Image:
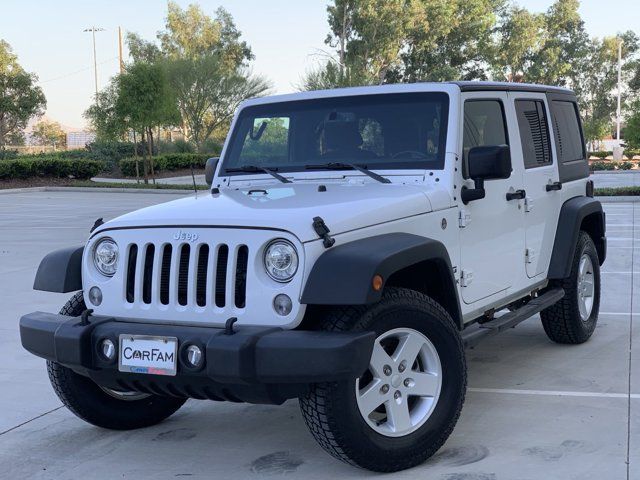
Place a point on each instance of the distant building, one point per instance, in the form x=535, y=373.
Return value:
x=79, y=139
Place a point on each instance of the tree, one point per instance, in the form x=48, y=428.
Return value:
x=564, y=53
x=51, y=133
x=207, y=66
x=20, y=98
x=144, y=101
x=632, y=128
x=208, y=94
x=105, y=120
x=519, y=38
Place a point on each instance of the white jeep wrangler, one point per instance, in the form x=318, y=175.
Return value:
x=353, y=243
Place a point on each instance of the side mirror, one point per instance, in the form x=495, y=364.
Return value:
x=485, y=163
x=210, y=169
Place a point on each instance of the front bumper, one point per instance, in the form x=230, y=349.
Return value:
x=254, y=364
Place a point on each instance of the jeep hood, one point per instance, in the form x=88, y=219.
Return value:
x=290, y=207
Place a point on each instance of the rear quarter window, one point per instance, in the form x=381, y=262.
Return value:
x=569, y=138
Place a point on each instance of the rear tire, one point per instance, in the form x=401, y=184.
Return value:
x=573, y=319
x=332, y=410
x=102, y=407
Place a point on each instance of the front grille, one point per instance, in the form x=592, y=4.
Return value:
x=200, y=275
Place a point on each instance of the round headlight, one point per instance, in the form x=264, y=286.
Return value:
x=105, y=257
x=281, y=260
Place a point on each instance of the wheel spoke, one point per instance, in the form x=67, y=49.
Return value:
x=370, y=398
x=379, y=358
x=588, y=283
x=398, y=415
x=426, y=384
x=408, y=349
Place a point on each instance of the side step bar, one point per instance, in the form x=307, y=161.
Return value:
x=475, y=333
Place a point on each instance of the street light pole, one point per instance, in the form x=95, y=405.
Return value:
x=619, y=89
x=93, y=31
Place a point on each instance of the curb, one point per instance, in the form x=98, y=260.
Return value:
x=98, y=190
x=618, y=199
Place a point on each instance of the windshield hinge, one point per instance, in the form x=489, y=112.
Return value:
x=323, y=232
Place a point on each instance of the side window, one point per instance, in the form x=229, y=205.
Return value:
x=567, y=129
x=484, y=124
x=534, y=133
x=267, y=142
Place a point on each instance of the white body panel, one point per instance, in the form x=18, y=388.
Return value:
x=254, y=209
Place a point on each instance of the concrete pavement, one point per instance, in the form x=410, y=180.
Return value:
x=534, y=410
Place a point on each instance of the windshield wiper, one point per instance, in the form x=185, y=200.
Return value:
x=348, y=166
x=257, y=169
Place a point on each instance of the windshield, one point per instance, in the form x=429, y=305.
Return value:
x=382, y=131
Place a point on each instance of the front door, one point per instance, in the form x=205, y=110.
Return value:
x=492, y=228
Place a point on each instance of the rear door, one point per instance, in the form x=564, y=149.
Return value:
x=492, y=238
x=543, y=202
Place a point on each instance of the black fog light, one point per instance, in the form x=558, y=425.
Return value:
x=282, y=304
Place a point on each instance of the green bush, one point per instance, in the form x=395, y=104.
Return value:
x=173, y=161
x=8, y=154
x=631, y=153
x=23, y=168
x=109, y=152
x=625, y=166
x=178, y=146
x=596, y=166
x=601, y=155
x=211, y=147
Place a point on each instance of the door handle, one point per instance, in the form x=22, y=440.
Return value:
x=554, y=186
x=517, y=195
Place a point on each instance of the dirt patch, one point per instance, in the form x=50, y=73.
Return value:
x=36, y=182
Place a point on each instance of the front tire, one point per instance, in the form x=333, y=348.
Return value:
x=103, y=407
x=403, y=409
x=573, y=319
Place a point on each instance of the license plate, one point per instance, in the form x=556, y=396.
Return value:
x=147, y=354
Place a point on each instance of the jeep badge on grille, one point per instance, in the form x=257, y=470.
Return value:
x=188, y=236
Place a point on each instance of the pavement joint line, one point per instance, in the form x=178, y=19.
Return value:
x=617, y=313
x=553, y=393
x=630, y=347
x=30, y=420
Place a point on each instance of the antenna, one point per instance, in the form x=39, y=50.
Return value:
x=193, y=177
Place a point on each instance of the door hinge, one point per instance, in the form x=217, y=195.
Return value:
x=529, y=255
x=464, y=218
x=466, y=277
x=528, y=204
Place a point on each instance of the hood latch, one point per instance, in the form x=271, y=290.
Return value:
x=323, y=232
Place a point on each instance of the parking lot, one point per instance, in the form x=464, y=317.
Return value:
x=534, y=409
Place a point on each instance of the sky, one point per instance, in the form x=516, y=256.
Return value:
x=286, y=36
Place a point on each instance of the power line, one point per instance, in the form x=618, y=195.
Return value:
x=77, y=71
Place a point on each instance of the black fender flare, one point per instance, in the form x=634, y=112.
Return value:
x=578, y=213
x=343, y=275
x=60, y=271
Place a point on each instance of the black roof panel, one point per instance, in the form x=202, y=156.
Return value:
x=475, y=86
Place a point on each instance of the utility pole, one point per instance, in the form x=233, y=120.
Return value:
x=120, y=50
x=93, y=31
x=619, y=89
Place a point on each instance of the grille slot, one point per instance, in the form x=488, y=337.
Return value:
x=201, y=276
x=164, y=275
x=183, y=274
x=131, y=273
x=148, y=274
x=221, y=275
x=241, y=276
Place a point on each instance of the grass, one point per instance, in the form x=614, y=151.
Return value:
x=617, y=191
